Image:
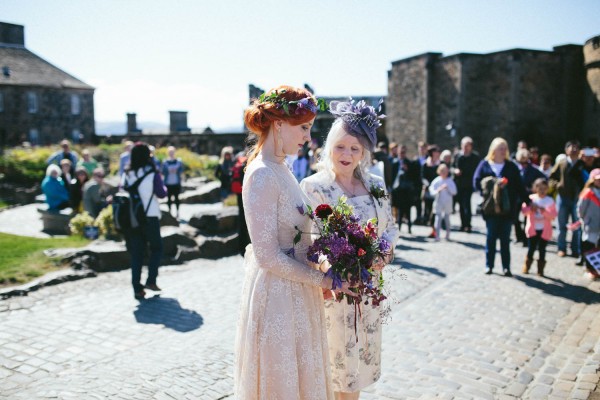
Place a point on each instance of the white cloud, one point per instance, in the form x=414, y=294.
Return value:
x=153, y=100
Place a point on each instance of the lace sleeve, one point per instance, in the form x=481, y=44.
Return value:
x=260, y=194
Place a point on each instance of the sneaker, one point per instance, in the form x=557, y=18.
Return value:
x=507, y=273
x=153, y=287
x=561, y=253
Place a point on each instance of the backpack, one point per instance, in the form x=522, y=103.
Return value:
x=495, y=198
x=128, y=210
x=237, y=176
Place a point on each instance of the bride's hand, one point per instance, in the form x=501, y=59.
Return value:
x=378, y=264
x=345, y=289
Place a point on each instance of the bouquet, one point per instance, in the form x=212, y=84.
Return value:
x=350, y=248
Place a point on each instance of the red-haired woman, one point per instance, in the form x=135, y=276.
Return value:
x=281, y=344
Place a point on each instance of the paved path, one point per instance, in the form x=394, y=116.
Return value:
x=454, y=332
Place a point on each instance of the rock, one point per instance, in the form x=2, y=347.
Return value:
x=173, y=237
x=56, y=222
x=185, y=253
x=193, y=183
x=207, y=193
x=167, y=219
x=102, y=256
x=217, y=246
x=216, y=222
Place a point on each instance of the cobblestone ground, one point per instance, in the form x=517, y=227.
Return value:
x=454, y=332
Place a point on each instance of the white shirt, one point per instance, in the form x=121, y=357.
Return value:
x=146, y=190
x=497, y=168
x=542, y=202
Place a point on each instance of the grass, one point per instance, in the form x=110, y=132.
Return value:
x=22, y=258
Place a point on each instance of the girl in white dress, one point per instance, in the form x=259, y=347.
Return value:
x=281, y=343
x=345, y=161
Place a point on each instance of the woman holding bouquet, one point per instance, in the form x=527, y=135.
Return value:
x=345, y=160
x=281, y=343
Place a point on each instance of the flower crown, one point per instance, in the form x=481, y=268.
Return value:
x=360, y=118
x=309, y=103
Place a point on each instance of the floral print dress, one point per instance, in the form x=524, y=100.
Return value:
x=354, y=364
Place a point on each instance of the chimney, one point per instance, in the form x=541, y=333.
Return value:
x=12, y=35
x=178, y=122
x=132, y=123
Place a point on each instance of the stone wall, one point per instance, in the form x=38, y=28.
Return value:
x=53, y=119
x=406, y=108
x=517, y=94
x=591, y=106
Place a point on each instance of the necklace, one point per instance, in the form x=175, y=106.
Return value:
x=352, y=193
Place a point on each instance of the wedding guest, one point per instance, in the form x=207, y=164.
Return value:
x=53, y=187
x=498, y=165
x=540, y=214
x=534, y=158
x=87, y=161
x=223, y=170
x=443, y=189
x=429, y=173
x=568, y=185
x=546, y=165
x=151, y=187
x=65, y=173
x=406, y=186
x=172, y=171
x=446, y=158
x=300, y=166
x=76, y=189
x=464, y=168
x=421, y=159
x=529, y=173
x=65, y=154
x=281, y=343
x=237, y=181
x=96, y=193
x=355, y=360
x=589, y=212
x=125, y=157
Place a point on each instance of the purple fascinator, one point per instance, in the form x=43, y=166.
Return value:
x=360, y=120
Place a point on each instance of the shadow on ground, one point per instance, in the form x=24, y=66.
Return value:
x=558, y=288
x=168, y=312
x=408, y=265
x=474, y=246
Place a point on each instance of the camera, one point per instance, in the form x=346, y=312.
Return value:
x=589, y=152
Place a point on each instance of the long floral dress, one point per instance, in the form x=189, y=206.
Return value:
x=281, y=344
x=354, y=364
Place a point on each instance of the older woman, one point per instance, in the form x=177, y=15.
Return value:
x=498, y=166
x=57, y=196
x=343, y=172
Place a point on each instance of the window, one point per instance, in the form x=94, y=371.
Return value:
x=1, y=102
x=34, y=136
x=76, y=136
x=32, y=102
x=75, y=104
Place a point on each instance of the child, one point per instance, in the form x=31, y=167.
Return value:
x=443, y=189
x=589, y=214
x=538, y=227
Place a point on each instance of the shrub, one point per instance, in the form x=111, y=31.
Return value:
x=106, y=222
x=80, y=221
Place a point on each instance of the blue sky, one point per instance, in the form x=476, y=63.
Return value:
x=152, y=56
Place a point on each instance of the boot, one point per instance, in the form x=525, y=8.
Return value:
x=541, y=264
x=527, y=265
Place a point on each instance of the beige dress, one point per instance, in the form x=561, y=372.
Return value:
x=355, y=365
x=281, y=343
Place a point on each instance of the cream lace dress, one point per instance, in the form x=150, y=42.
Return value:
x=281, y=343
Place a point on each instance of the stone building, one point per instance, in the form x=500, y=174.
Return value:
x=519, y=94
x=591, y=102
x=39, y=102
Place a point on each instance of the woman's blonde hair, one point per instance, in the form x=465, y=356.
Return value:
x=336, y=133
x=494, y=145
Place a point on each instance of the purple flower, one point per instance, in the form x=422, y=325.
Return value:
x=384, y=246
x=291, y=252
x=336, y=279
x=313, y=257
x=300, y=209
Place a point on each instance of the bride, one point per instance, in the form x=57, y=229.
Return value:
x=281, y=343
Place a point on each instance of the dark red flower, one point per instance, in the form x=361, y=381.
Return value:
x=361, y=252
x=323, y=211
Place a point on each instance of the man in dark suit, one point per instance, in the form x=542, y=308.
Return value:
x=465, y=165
x=406, y=186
